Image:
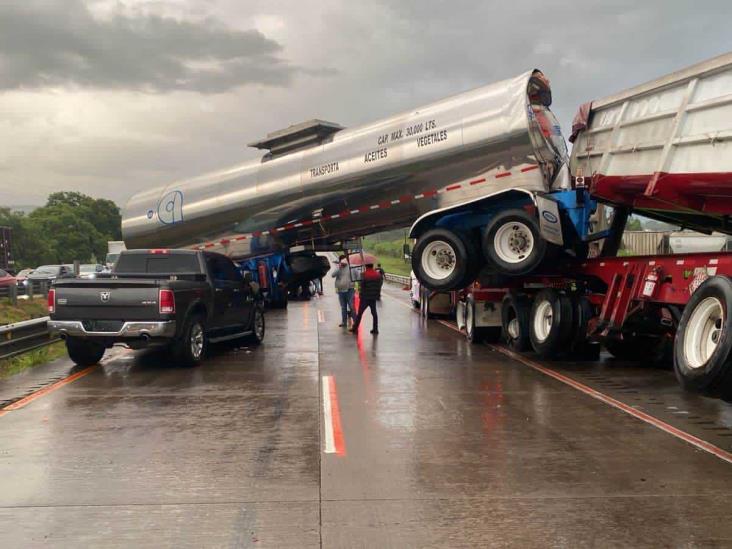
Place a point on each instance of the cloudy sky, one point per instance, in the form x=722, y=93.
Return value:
x=109, y=97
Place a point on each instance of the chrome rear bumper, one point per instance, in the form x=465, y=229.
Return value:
x=129, y=330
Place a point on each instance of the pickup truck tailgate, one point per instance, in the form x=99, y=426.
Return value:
x=113, y=299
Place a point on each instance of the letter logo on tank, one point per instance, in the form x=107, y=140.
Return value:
x=170, y=208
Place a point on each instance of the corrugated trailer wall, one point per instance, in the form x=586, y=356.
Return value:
x=645, y=242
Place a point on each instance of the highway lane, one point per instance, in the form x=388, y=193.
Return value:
x=433, y=442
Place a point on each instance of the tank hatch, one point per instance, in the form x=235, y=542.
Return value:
x=296, y=137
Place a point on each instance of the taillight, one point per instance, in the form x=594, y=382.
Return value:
x=51, y=301
x=159, y=251
x=166, y=301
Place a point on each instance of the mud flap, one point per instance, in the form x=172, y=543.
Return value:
x=550, y=223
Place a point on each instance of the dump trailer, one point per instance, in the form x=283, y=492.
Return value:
x=459, y=172
x=662, y=150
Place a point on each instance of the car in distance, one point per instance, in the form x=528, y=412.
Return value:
x=6, y=279
x=50, y=273
x=90, y=270
x=181, y=299
x=21, y=278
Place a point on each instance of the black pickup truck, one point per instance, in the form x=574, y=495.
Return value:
x=183, y=299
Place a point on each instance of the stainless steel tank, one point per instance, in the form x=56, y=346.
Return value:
x=321, y=184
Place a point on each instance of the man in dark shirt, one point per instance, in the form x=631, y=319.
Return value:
x=369, y=293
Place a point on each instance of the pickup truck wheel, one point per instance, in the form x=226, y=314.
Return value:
x=515, y=311
x=443, y=260
x=258, y=327
x=190, y=349
x=551, y=323
x=704, y=339
x=513, y=243
x=84, y=352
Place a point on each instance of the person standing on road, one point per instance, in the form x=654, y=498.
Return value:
x=344, y=288
x=383, y=277
x=369, y=294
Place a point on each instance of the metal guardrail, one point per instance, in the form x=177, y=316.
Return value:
x=399, y=279
x=33, y=289
x=25, y=336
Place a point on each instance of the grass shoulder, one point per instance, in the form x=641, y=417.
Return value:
x=26, y=309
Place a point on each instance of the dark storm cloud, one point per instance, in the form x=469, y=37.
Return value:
x=589, y=49
x=45, y=44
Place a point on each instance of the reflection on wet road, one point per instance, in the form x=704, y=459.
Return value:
x=413, y=438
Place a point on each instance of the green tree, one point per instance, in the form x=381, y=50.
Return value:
x=29, y=248
x=633, y=224
x=69, y=233
x=100, y=212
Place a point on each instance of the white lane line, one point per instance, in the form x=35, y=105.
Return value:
x=321, y=316
x=328, y=417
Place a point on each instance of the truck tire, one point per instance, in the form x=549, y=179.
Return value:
x=513, y=243
x=476, y=334
x=515, y=311
x=258, y=327
x=580, y=346
x=550, y=329
x=84, y=352
x=704, y=339
x=190, y=348
x=444, y=260
x=281, y=302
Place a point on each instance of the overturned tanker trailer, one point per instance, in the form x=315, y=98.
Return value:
x=464, y=173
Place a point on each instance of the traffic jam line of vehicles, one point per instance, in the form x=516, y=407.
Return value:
x=511, y=232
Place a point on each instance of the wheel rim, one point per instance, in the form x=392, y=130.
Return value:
x=513, y=328
x=703, y=332
x=196, y=341
x=468, y=320
x=259, y=325
x=439, y=260
x=543, y=320
x=513, y=242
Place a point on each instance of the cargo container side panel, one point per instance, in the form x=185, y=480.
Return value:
x=664, y=148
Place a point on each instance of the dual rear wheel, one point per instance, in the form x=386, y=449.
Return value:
x=446, y=259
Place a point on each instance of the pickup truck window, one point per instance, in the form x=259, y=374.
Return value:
x=221, y=268
x=157, y=263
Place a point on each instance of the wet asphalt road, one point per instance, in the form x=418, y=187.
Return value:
x=443, y=444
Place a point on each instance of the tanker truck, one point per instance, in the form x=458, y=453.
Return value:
x=469, y=175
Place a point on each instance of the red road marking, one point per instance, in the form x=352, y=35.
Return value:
x=602, y=397
x=340, y=445
x=17, y=405
x=638, y=414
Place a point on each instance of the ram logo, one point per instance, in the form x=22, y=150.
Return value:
x=549, y=216
x=104, y=296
